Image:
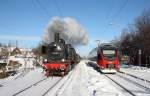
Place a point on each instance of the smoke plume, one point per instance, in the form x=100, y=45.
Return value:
x=70, y=30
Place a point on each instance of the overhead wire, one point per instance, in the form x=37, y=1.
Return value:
x=117, y=14
x=120, y=9
x=43, y=8
x=110, y=8
x=108, y=13
x=58, y=8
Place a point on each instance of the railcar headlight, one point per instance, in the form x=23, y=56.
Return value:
x=63, y=60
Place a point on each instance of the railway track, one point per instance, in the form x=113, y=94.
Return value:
x=59, y=88
x=130, y=85
x=22, y=74
x=1, y=85
x=64, y=85
x=51, y=87
x=148, y=81
x=57, y=82
x=35, y=85
x=29, y=87
x=128, y=91
x=134, y=82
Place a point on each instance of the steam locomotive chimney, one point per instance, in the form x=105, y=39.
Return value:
x=57, y=37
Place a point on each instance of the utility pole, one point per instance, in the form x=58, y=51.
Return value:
x=98, y=42
x=140, y=57
x=16, y=43
x=146, y=61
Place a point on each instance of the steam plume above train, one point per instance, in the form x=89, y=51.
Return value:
x=70, y=30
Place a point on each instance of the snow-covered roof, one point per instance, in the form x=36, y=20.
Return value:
x=23, y=49
x=10, y=49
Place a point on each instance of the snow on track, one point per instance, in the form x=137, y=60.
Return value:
x=15, y=85
x=134, y=76
x=41, y=87
x=88, y=82
x=62, y=85
x=83, y=80
x=136, y=88
x=138, y=72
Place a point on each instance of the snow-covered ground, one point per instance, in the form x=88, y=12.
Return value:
x=88, y=82
x=135, y=86
x=141, y=72
x=15, y=83
x=83, y=80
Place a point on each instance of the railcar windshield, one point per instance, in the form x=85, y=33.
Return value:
x=55, y=53
x=109, y=54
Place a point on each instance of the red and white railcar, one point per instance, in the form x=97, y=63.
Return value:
x=108, y=58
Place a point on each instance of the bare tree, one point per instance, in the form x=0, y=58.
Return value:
x=136, y=37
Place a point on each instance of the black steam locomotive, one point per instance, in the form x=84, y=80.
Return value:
x=58, y=57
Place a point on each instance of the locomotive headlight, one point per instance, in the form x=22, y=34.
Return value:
x=45, y=60
x=58, y=47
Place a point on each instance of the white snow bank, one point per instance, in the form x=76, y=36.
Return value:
x=89, y=82
x=78, y=85
x=99, y=86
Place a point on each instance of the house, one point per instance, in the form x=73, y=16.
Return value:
x=16, y=51
x=3, y=52
x=12, y=66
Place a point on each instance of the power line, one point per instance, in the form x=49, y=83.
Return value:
x=120, y=9
x=43, y=8
x=58, y=8
x=108, y=15
x=46, y=11
x=110, y=10
x=117, y=14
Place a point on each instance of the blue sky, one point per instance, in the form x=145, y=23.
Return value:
x=25, y=20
